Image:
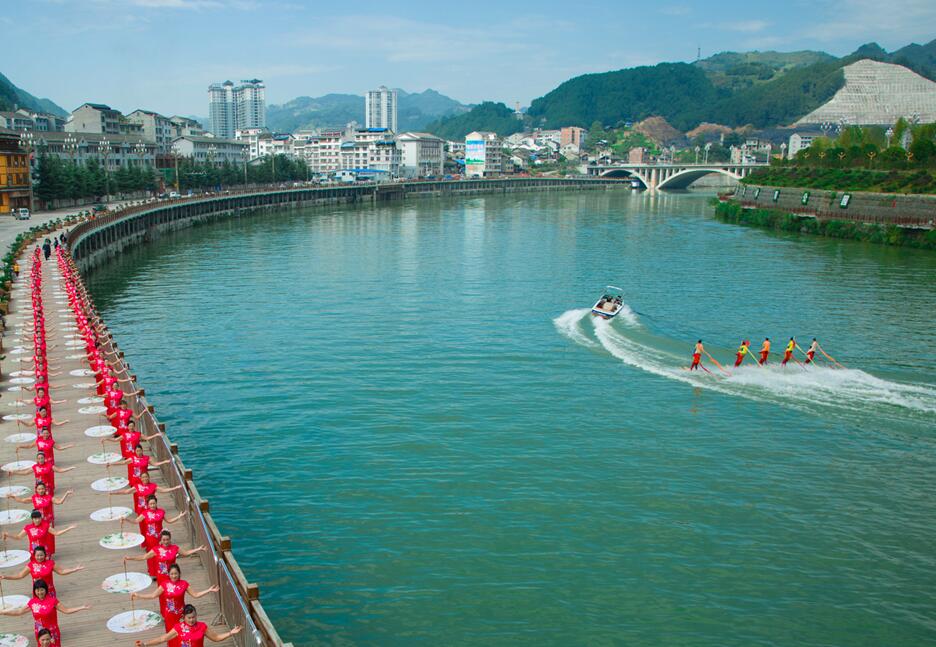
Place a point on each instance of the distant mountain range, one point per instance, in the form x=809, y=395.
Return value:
x=763, y=89
x=12, y=96
x=414, y=111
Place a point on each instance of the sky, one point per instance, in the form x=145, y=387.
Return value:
x=162, y=54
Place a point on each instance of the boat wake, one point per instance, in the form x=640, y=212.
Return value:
x=794, y=385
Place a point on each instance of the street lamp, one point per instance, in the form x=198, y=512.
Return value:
x=139, y=149
x=697, y=149
x=71, y=147
x=708, y=147
x=889, y=133
x=104, y=150
x=28, y=143
x=245, y=156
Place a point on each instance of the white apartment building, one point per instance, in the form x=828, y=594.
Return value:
x=380, y=109
x=183, y=126
x=799, y=141
x=421, y=154
x=372, y=149
x=101, y=119
x=232, y=108
x=155, y=128
x=117, y=150
x=215, y=150
x=483, y=154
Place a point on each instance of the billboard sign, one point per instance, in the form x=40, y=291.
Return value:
x=474, y=151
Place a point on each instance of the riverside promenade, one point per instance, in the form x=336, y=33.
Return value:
x=71, y=380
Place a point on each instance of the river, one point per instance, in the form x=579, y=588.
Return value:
x=416, y=434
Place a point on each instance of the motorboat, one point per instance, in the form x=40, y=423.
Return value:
x=610, y=303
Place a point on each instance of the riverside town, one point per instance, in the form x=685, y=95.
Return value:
x=375, y=326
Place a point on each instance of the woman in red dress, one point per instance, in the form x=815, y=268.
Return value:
x=143, y=489
x=171, y=593
x=151, y=522
x=137, y=464
x=39, y=533
x=190, y=632
x=45, y=608
x=44, y=472
x=46, y=444
x=162, y=555
x=43, y=501
x=42, y=568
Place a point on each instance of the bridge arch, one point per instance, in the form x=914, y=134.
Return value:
x=682, y=179
x=626, y=173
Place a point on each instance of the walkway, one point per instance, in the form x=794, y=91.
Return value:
x=80, y=546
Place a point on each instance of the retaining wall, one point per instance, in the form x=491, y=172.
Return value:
x=912, y=211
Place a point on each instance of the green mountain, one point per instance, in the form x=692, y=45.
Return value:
x=738, y=70
x=414, y=111
x=676, y=91
x=763, y=89
x=495, y=117
x=11, y=96
x=331, y=110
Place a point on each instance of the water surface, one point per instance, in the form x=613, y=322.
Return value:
x=417, y=436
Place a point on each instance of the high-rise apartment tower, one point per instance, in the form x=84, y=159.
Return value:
x=380, y=109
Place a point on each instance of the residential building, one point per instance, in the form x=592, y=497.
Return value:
x=483, y=154
x=101, y=119
x=380, y=109
x=250, y=104
x=455, y=149
x=221, y=109
x=214, y=150
x=422, y=154
x=572, y=135
x=116, y=151
x=801, y=140
x=156, y=129
x=232, y=108
x=22, y=119
x=252, y=137
x=15, y=184
x=183, y=126
x=371, y=149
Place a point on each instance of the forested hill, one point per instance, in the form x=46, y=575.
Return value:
x=11, y=96
x=764, y=89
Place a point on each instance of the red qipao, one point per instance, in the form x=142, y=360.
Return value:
x=136, y=466
x=45, y=474
x=172, y=601
x=151, y=527
x=191, y=636
x=159, y=565
x=44, y=571
x=40, y=536
x=45, y=616
x=44, y=505
x=140, y=492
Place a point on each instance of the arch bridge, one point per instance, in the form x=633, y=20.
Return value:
x=671, y=176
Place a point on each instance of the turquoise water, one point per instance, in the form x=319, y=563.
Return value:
x=417, y=436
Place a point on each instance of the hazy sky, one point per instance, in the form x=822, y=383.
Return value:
x=162, y=54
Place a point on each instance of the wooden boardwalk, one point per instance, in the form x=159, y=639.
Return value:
x=80, y=546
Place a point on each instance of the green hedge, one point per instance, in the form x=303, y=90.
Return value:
x=845, y=179
x=783, y=221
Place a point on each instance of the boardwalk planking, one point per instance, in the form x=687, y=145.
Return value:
x=80, y=546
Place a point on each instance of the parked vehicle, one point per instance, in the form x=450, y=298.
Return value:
x=22, y=214
x=174, y=195
x=98, y=208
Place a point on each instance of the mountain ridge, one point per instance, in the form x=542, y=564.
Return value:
x=11, y=95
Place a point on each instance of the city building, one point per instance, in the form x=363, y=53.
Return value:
x=637, y=155
x=114, y=151
x=101, y=119
x=221, y=109
x=370, y=150
x=156, y=129
x=22, y=119
x=483, y=154
x=422, y=154
x=15, y=184
x=213, y=150
x=232, y=108
x=380, y=109
x=183, y=126
x=799, y=141
x=572, y=136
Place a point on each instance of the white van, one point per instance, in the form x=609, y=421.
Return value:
x=22, y=214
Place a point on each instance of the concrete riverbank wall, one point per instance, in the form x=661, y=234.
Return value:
x=95, y=241
x=885, y=209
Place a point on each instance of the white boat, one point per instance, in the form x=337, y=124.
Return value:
x=610, y=303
